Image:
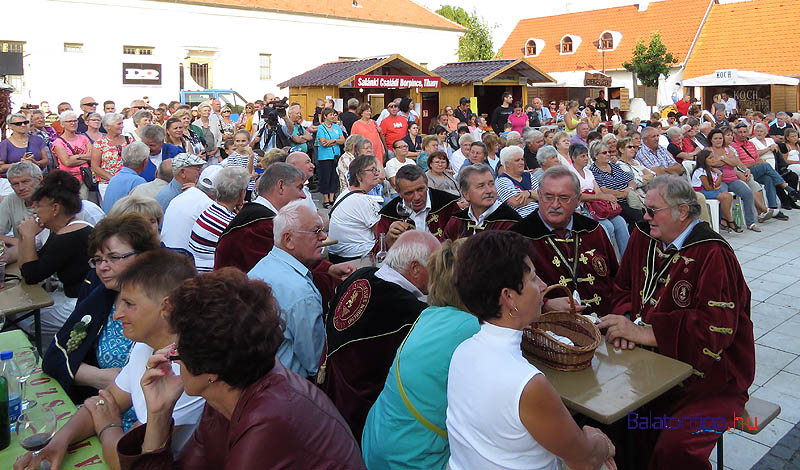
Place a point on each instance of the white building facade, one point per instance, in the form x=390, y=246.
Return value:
x=126, y=49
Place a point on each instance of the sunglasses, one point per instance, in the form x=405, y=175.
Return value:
x=20, y=123
x=88, y=104
x=632, y=147
x=652, y=212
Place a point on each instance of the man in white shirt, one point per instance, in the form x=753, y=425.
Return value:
x=731, y=106
x=184, y=210
x=458, y=157
x=400, y=148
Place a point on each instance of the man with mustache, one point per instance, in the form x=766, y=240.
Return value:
x=571, y=249
x=485, y=212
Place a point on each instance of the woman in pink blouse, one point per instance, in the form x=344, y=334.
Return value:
x=518, y=119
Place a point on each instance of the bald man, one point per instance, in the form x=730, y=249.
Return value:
x=370, y=315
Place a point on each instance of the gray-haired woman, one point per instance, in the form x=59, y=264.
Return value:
x=141, y=118
x=344, y=161
x=72, y=150
x=107, y=151
x=93, y=126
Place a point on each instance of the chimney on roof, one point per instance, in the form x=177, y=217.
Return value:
x=642, y=5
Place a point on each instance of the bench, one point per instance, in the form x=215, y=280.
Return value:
x=757, y=415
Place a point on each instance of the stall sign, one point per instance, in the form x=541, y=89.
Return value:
x=727, y=74
x=396, y=81
x=596, y=79
x=141, y=74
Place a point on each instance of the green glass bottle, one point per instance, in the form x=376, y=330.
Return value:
x=5, y=425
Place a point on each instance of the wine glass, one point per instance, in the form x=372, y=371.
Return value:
x=27, y=360
x=404, y=211
x=36, y=425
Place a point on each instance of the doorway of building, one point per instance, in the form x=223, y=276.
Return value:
x=490, y=97
x=430, y=109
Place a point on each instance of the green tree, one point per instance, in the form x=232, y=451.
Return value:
x=651, y=61
x=476, y=43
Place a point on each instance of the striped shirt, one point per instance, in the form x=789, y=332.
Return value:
x=506, y=189
x=617, y=180
x=205, y=235
x=236, y=159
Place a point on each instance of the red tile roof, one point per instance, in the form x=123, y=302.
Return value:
x=754, y=35
x=678, y=21
x=374, y=11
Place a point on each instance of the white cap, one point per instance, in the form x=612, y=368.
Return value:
x=208, y=176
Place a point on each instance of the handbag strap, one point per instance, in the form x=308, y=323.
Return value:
x=330, y=212
x=424, y=421
x=68, y=145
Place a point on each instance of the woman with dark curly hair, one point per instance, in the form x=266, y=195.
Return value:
x=258, y=413
x=501, y=410
x=142, y=309
x=95, y=361
x=55, y=205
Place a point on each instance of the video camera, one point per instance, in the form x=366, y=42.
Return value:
x=273, y=110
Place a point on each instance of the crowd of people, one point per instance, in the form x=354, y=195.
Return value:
x=430, y=247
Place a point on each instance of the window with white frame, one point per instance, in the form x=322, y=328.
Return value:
x=17, y=81
x=73, y=47
x=530, y=48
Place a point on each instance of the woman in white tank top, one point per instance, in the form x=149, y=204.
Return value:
x=502, y=413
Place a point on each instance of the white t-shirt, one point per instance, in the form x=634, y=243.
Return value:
x=483, y=422
x=457, y=160
x=394, y=164
x=5, y=187
x=769, y=156
x=697, y=183
x=90, y=212
x=181, y=214
x=586, y=179
x=187, y=410
x=351, y=224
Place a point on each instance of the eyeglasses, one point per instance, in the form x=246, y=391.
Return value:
x=138, y=107
x=401, y=146
x=392, y=106
x=226, y=111
x=20, y=123
x=88, y=104
x=374, y=171
x=314, y=232
x=112, y=259
x=552, y=197
x=652, y=212
x=71, y=121
x=632, y=147
x=603, y=153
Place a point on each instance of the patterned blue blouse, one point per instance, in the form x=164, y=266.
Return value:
x=112, y=351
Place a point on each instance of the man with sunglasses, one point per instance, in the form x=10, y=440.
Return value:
x=680, y=290
x=571, y=249
x=88, y=105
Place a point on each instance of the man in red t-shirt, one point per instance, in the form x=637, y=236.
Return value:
x=682, y=105
x=394, y=126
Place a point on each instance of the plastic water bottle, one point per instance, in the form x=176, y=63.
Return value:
x=11, y=373
x=738, y=214
x=5, y=425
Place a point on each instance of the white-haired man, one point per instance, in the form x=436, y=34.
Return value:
x=371, y=314
x=298, y=232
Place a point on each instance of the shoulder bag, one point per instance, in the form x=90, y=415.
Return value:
x=86, y=172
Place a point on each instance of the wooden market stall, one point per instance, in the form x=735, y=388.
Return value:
x=487, y=80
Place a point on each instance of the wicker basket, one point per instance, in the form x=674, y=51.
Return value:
x=539, y=346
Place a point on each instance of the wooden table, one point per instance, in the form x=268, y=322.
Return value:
x=18, y=297
x=84, y=454
x=619, y=381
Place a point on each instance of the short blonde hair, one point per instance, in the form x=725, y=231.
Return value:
x=442, y=290
x=179, y=114
x=146, y=206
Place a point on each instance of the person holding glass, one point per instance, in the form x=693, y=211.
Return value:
x=141, y=308
x=258, y=413
x=92, y=364
x=502, y=412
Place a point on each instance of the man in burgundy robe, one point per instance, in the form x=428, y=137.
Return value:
x=370, y=316
x=430, y=209
x=682, y=285
x=485, y=212
x=571, y=249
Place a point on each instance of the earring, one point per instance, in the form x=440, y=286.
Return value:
x=511, y=314
x=210, y=380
